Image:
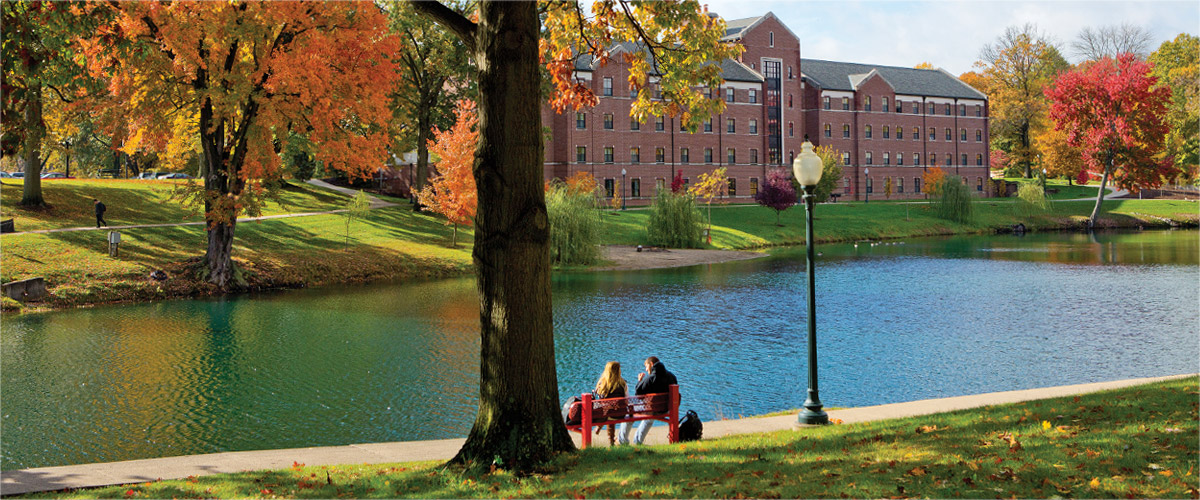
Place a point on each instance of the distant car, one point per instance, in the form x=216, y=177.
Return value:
x=147, y=175
x=175, y=175
x=54, y=175
x=5, y=175
x=18, y=175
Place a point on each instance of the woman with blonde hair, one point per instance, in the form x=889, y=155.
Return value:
x=611, y=385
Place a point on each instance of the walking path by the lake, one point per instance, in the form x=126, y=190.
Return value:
x=141, y=471
x=374, y=203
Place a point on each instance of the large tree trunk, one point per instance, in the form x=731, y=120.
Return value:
x=31, y=194
x=518, y=420
x=424, y=122
x=1024, y=137
x=217, y=181
x=1100, y=195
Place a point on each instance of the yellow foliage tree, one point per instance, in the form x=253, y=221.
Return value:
x=1059, y=158
x=710, y=186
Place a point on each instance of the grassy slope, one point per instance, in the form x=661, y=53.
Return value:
x=750, y=226
x=135, y=202
x=1137, y=442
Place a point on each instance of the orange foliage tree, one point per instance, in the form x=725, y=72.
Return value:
x=933, y=179
x=1059, y=158
x=451, y=191
x=240, y=76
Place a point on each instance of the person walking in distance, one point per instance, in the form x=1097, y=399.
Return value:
x=100, y=208
x=656, y=380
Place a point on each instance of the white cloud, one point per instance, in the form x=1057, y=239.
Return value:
x=949, y=34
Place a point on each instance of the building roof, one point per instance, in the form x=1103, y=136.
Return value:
x=731, y=70
x=735, y=29
x=831, y=75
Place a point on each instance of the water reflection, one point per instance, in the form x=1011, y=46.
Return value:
x=897, y=322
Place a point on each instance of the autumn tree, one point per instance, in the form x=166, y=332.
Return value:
x=451, y=192
x=240, y=76
x=777, y=193
x=1115, y=113
x=1094, y=44
x=887, y=187
x=1059, y=158
x=436, y=73
x=710, y=186
x=925, y=65
x=1177, y=66
x=39, y=63
x=933, y=179
x=518, y=420
x=1017, y=67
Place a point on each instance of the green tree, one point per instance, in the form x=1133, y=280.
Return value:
x=519, y=421
x=574, y=227
x=358, y=208
x=1017, y=67
x=831, y=174
x=1177, y=66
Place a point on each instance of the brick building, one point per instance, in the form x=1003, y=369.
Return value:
x=771, y=102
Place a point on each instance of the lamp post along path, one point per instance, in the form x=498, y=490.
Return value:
x=807, y=169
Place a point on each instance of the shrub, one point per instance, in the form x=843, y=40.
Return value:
x=574, y=225
x=955, y=201
x=777, y=193
x=674, y=221
x=1031, y=199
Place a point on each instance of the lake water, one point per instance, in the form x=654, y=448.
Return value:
x=918, y=319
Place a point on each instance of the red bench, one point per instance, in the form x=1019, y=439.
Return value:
x=662, y=406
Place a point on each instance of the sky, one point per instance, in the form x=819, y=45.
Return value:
x=950, y=34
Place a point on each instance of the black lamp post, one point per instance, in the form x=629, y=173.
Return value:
x=867, y=184
x=622, y=189
x=66, y=143
x=807, y=169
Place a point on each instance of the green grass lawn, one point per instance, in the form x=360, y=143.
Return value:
x=1138, y=442
x=752, y=226
x=137, y=202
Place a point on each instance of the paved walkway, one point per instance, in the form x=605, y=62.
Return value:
x=374, y=203
x=140, y=471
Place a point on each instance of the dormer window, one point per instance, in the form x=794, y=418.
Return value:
x=771, y=37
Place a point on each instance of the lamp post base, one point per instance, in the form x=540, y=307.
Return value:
x=812, y=414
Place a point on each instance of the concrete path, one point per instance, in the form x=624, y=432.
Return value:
x=374, y=203
x=140, y=471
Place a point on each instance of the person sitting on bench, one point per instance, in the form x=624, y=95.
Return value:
x=658, y=381
x=611, y=385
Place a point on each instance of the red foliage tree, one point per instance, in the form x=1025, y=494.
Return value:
x=1114, y=112
x=677, y=182
x=777, y=193
x=451, y=192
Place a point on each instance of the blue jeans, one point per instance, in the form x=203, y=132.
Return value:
x=643, y=429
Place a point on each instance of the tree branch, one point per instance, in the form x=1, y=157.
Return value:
x=453, y=21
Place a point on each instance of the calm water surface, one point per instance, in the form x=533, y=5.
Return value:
x=896, y=322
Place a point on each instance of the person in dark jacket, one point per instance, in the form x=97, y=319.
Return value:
x=100, y=208
x=656, y=380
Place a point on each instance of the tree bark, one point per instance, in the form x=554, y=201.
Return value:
x=424, y=122
x=1100, y=195
x=518, y=424
x=217, y=182
x=31, y=193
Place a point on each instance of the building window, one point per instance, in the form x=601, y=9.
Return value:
x=753, y=127
x=826, y=101
x=916, y=184
x=930, y=108
x=732, y=187
x=682, y=126
x=660, y=124
x=887, y=158
x=963, y=159
x=932, y=159
x=753, y=96
x=845, y=104
x=828, y=130
x=790, y=74
x=708, y=125
x=754, y=186
x=684, y=155
x=635, y=187
x=978, y=135
x=635, y=155
x=845, y=184
x=867, y=131
x=730, y=125
x=916, y=133
x=887, y=132
x=949, y=159
x=846, y=131
x=791, y=157
x=634, y=124
x=932, y=134
x=729, y=95
x=657, y=92
x=608, y=154
x=899, y=158
x=916, y=159
x=581, y=154
x=899, y=106
x=978, y=110
x=707, y=155
x=962, y=135
x=791, y=129
x=789, y=100
x=845, y=158
x=979, y=159
x=608, y=86
x=609, y=184
x=899, y=184
x=581, y=121
x=899, y=132
x=660, y=155
x=948, y=110
x=962, y=110
x=867, y=104
x=731, y=156
x=979, y=184
x=869, y=162
x=754, y=157
x=916, y=107
x=771, y=38
x=883, y=104
x=633, y=92
x=870, y=187
x=608, y=121
x=660, y=183
x=949, y=135
x=708, y=92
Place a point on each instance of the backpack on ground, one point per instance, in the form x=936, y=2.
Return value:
x=572, y=411
x=691, y=429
